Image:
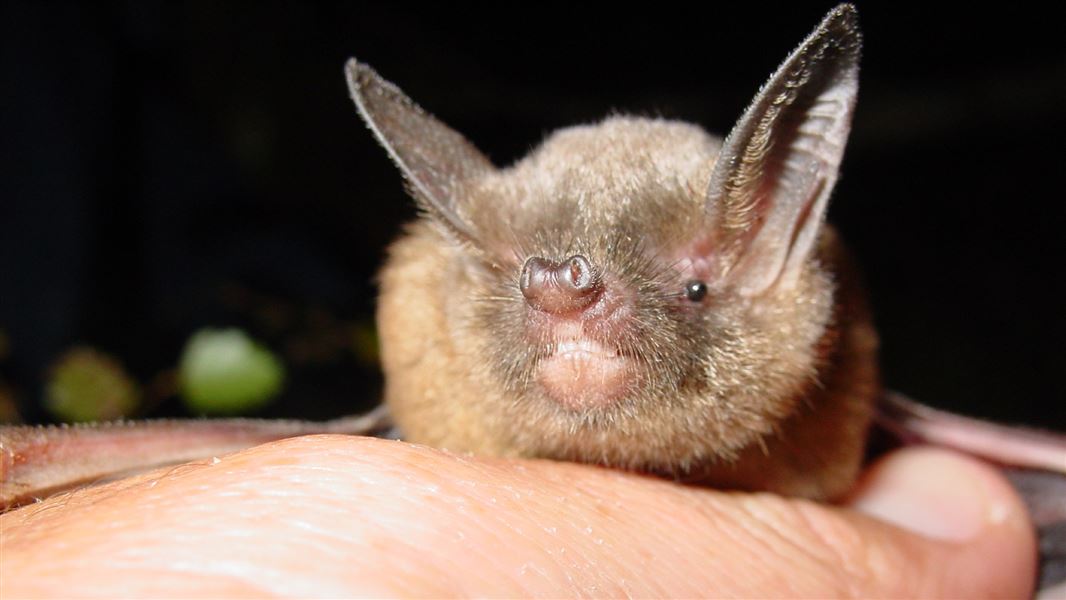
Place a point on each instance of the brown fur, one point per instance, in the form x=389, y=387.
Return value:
x=764, y=382
x=769, y=393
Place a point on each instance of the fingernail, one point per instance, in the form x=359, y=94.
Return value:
x=935, y=493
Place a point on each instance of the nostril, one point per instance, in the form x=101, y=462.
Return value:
x=559, y=287
x=535, y=275
x=577, y=272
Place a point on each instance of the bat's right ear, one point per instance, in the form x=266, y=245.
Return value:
x=434, y=158
x=771, y=183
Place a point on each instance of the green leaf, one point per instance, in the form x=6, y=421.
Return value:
x=226, y=372
x=88, y=385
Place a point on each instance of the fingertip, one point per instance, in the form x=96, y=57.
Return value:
x=939, y=494
x=968, y=504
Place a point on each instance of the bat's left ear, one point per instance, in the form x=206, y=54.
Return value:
x=771, y=183
x=435, y=159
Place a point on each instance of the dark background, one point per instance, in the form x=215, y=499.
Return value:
x=168, y=167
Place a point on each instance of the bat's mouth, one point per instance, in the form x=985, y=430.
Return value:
x=582, y=374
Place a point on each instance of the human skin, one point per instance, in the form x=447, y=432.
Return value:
x=333, y=516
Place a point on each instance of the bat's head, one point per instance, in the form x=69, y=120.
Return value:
x=635, y=292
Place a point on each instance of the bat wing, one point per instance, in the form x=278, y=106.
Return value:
x=38, y=461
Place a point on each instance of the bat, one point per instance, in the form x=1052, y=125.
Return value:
x=635, y=293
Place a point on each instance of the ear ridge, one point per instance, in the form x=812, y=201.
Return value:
x=433, y=158
x=771, y=183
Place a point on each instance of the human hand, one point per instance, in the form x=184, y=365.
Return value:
x=333, y=516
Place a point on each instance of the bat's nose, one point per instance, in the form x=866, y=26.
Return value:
x=560, y=287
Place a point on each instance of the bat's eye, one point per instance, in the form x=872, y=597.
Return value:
x=695, y=290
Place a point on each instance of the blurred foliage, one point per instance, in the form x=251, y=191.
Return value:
x=226, y=372
x=365, y=342
x=88, y=385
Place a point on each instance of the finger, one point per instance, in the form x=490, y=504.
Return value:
x=947, y=496
x=333, y=516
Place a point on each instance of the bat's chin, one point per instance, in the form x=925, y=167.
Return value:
x=583, y=374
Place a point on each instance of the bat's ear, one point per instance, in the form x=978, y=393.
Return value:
x=770, y=186
x=434, y=158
